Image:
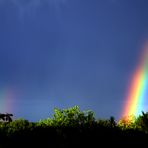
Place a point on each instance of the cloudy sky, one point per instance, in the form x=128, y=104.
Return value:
x=61, y=53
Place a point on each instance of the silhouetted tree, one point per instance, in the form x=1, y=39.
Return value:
x=8, y=117
x=112, y=121
x=2, y=117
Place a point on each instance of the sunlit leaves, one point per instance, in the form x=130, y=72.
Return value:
x=127, y=122
x=69, y=117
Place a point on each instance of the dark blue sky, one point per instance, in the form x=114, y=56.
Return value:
x=61, y=53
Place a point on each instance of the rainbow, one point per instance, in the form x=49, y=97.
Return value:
x=7, y=99
x=137, y=88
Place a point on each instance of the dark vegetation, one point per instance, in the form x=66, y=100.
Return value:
x=74, y=128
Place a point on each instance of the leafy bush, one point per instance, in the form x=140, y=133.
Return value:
x=18, y=126
x=127, y=122
x=69, y=117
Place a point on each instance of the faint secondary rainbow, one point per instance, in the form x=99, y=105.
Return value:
x=7, y=99
x=137, y=88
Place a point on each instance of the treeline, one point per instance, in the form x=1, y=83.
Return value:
x=72, y=127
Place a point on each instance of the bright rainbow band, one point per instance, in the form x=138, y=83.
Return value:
x=137, y=89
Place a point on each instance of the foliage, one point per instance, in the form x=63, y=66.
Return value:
x=72, y=126
x=18, y=125
x=127, y=122
x=110, y=123
x=142, y=122
x=69, y=117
